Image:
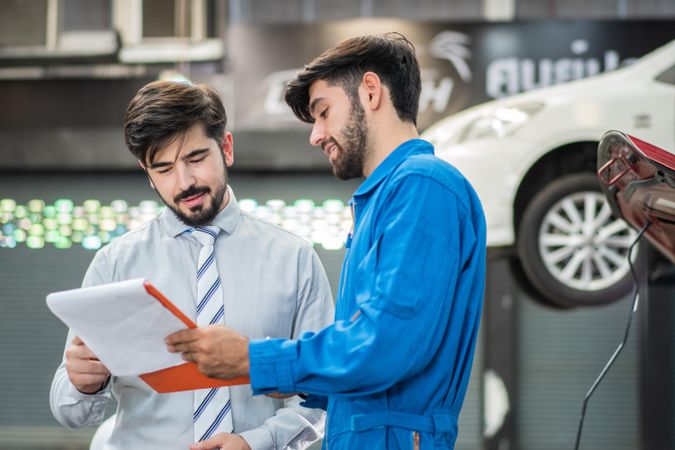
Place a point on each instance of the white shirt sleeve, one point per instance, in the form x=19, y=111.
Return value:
x=70, y=407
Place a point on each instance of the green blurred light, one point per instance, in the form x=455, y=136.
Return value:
x=52, y=236
x=35, y=242
x=19, y=235
x=91, y=206
x=49, y=211
x=64, y=219
x=304, y=205
x=104, y=236
x=80, y=224
x=50, y=224
x=20, y=212
x=7, y=205
x=107, y=212
x=36, y=206
x=37, y=230
x=65, y=230
x=63, y=242
x=64, y=205
x=77, y=236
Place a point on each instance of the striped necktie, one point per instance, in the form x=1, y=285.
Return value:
x=212, y=408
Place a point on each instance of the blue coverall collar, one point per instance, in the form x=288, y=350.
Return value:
x=396, y=157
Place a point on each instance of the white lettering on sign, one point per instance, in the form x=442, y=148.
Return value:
x=435, y=94
x=508, y=76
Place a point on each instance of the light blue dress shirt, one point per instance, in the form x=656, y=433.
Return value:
x=273, y=286
x=397, y=359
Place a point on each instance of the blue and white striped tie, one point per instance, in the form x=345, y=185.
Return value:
x=212, y=408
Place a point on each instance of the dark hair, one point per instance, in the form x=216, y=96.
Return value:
x=164, y=110
x=391, y=56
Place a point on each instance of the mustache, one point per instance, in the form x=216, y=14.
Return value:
x=329, y=141
x=192, y=191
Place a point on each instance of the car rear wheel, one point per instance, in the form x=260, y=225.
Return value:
x=573, y=251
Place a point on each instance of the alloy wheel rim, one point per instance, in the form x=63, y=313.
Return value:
x=582, y=245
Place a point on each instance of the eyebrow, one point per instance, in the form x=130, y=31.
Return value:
x=313, y=104
x=190, y=155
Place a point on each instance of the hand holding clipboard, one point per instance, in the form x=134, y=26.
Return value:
x=125, y=324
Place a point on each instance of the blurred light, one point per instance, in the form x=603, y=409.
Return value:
x=108, y=225
x=35, y=242
x=63, y=205
x=64, y=219
x=49, y=211
x=20, y=212
x=37, y=230
x=52, y=236
x=93, y=224
x=275, y=204
x=63, y=242
x=19, y=235
x=50, y=224
x=91, y=206
x=36, y=206
x=248, y=205
x=119, y=206
x=79, y=224
x=91, y=242
x=7, y=205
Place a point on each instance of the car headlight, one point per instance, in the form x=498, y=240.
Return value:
x=499, y=122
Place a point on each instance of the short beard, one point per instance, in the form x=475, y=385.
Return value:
x=349, y=163
x=201, y=216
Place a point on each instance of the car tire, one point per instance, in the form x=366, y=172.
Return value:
x=573, y=252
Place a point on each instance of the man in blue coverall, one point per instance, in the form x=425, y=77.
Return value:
x=394, y=366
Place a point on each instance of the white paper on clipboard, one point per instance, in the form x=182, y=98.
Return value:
x=122, y=323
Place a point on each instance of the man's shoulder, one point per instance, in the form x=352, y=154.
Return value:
x=141, y=235
x=263, y=229
x=430, y=168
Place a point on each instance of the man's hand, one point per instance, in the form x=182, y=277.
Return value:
x=85, y=371
x=222, y=441
x=218, y=351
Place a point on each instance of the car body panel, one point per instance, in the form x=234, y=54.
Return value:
x=638, y=179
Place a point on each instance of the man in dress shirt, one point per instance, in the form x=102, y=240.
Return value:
x=272, y=282
x=395, y=364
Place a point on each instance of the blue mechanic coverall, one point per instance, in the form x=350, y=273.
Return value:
x=396, y=362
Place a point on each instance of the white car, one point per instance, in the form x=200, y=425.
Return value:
x=532, y=159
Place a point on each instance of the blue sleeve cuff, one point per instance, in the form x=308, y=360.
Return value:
x=271, y=364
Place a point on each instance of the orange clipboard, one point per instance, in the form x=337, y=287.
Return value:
x=185, y=377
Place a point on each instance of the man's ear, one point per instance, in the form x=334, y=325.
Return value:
x=228, y=148
x=372, y=92
x=145, y=169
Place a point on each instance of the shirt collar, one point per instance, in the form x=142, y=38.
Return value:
x=226, y=220
x=396, y=157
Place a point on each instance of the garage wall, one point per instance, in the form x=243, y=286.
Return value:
x=560, y=353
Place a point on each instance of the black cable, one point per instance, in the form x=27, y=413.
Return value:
x=636, y=302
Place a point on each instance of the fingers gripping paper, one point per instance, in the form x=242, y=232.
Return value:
x=125, y=324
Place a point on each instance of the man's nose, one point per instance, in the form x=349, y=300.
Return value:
x=185, y=177
x=317, y=135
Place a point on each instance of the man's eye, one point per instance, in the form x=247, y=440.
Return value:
x=166, y=170
x=196, y=160
x=324, y=113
